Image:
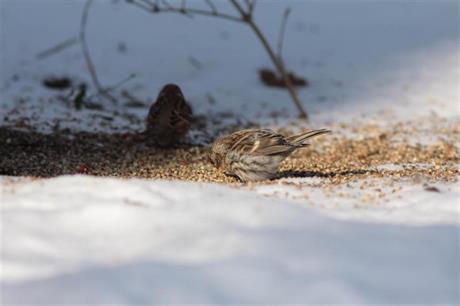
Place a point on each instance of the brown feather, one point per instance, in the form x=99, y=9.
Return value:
x=255, y=154
x=298, y=140
x=169, y=117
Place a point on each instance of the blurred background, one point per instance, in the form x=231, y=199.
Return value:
x=361, y=59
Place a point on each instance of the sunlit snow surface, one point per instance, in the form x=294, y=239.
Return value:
x=92, y=241
x=85, y=240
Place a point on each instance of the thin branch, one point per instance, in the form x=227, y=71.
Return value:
x=278, y=62
x=150, y=3
x=239, y=8
x=154, y=6
x=188, y=11
x=57, y=48
x=251, y=5
x=281, y=70
x=248, y=4
x=169, y=7
x=166, y=4
x=282, y=32
x=150, y=7
x=86, y=53
x=246, y=16
x=212, y=6
x=113, y=87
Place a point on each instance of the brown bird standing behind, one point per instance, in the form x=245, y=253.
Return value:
x=254, y=154
x=169, y=117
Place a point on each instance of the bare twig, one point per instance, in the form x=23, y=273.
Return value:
x=186, y=12
x=282, y=32
x=113, y=87
x=154, y=5
x=166, y=4
x=278, y=62
x=86, y=53
x=250, y=4
x=281, y=70
x=145, y=5
x=246, y=16
x=57, y=48
x=212, y=6
x=239, y=8
x=150, y=3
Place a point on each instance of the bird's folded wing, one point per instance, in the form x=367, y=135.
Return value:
x=270, y=145
x=273, y=150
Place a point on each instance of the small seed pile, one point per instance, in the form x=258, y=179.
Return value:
x=337, y=158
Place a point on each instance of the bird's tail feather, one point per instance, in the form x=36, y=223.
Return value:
x=298, y=140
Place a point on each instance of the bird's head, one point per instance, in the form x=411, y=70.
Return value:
x=217, y=153
x=170, y=91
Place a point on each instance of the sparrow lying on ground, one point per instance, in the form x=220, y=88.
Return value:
x=254, y=154
x=169, y=117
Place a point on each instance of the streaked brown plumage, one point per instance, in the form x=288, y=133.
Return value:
x=169, y=117
x=255, y=154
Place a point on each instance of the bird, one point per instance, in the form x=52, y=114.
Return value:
x=256, y=154
x=169, y=117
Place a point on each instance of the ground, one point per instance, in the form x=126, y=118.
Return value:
x=93, y=214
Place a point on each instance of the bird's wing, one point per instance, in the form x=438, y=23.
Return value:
x=299, y=140
x=167, y=111
x=185, y=109
x=153, y=114
x=261, y=142
x=179, y=122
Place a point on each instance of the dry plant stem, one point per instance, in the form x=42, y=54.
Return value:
x=111, y=88
x=57, y=48
x=246, y=16
x=250, y=4
x=212, y=6
x=277, y=61
x=155, y=9
x=282, y=32
x=87, y=56
x=281, y=70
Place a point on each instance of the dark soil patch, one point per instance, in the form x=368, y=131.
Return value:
x=57, y=83
x=271, y=79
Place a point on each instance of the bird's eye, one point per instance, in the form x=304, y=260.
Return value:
x=213, y=160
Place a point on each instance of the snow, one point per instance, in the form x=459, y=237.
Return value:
x=410, y=204
x=139, y=242
x=364, y=60
x=87, y=240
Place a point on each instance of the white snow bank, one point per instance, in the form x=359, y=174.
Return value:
x=404, y=202
x=87, y=240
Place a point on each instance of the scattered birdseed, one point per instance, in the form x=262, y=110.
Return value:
x=336, y=159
